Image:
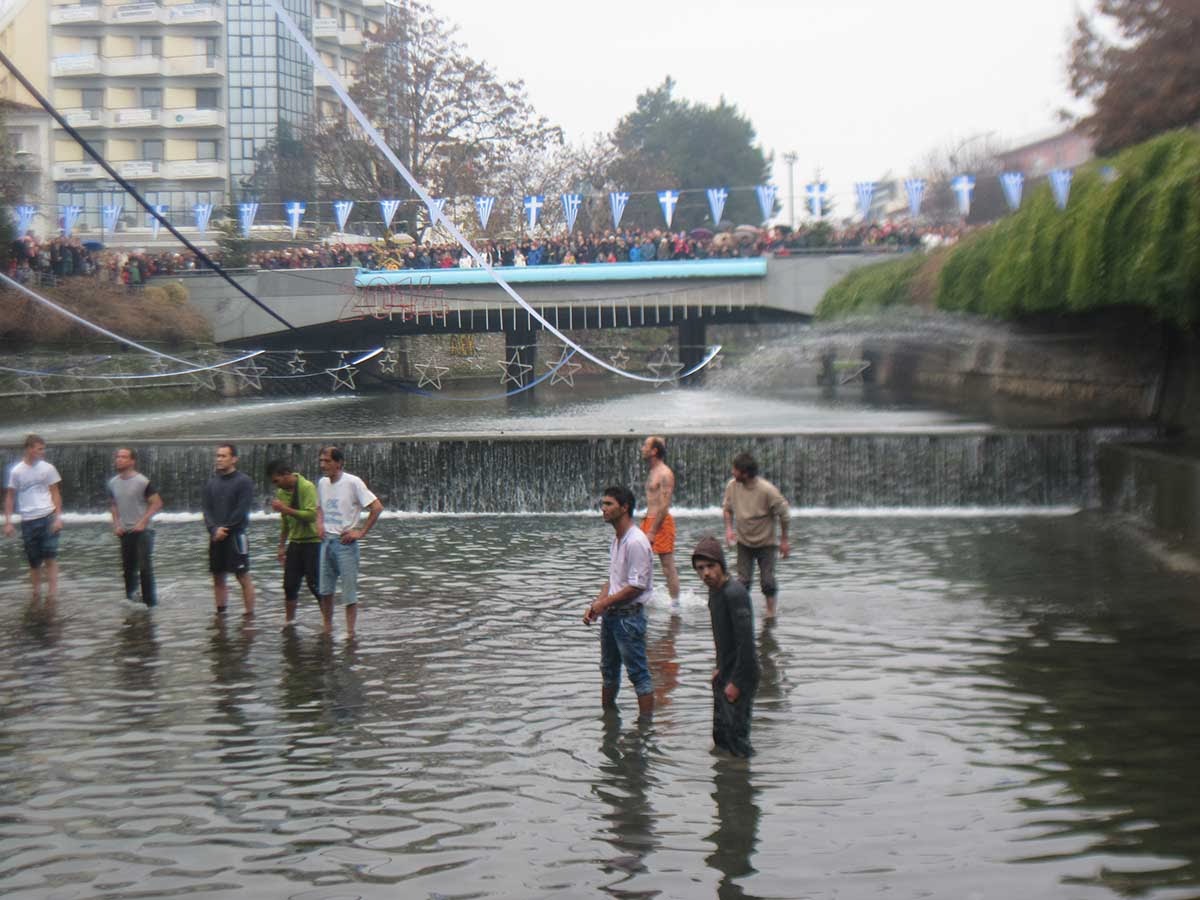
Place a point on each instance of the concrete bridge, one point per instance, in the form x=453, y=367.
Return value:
x=354, y=307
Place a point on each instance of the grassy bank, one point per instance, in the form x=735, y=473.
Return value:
x=1129, y=236
x=158, y=313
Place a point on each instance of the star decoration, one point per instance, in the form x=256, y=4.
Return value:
x=343, y=376
x=665, y=368
x=514, y=369
x=33, y=384
x=620, y=358
x=159, y=366
x=204, y=380
x=564, y=369
x=431, y=373
x=297, y=363
x=388, y=362
x=250, y=374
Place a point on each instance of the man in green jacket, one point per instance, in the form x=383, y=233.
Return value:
x=299, y=545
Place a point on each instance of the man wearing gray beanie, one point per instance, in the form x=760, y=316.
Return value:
x=735, y=678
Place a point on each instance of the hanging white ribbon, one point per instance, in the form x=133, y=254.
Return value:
x=202, y=212
x=1060, y=184
x=766, y=200
x=246, y=213
x=341, y=211
x=668, y=200
x=1013, y=184
x=163, y=210
x=915, y=188
x=963, y=187
x=570, y=205
x=295, y=213
x=533, y=205
x=865, y=191
x=70, y=215
x=483, y=208
x=617, y=201
x=388, y=209
x=816, y=191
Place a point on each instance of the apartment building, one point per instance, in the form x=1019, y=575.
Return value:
x=180, y=98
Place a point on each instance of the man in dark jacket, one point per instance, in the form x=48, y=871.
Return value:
x=227, y=500
x=735, y=678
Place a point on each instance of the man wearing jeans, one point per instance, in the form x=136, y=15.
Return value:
x=619, y=604
x=753, y=505
x=341, y=499
x=33, y=491
x=134, y=503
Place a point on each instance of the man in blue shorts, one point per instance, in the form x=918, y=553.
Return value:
x=620, y=603
x=341, y=497
x=33, y=492
x=227, y=500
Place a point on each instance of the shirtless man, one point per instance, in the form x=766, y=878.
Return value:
x=658, y=523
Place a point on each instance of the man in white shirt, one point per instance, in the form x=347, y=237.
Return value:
x=341, y=499
x=619, y=604
x=33, y=491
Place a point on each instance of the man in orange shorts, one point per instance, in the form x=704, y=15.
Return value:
x=658, y=523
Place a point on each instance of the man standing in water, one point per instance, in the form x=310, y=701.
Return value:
x=735, y=678
x=341, y=497
x=620, y=604
x=659, y=524
x=227, y=500
x=299, y=546
x=754, y=505
x=134, y=503
x=32, y=489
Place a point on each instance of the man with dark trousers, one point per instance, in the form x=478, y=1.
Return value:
x=735, y=678
x=134, y=501
x=227, y=500
x=299, y=544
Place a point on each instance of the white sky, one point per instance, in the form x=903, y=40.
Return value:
x=857, y=87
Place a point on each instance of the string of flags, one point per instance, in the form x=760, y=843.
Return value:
x=534, y=205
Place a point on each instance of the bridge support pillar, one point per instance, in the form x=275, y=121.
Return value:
x=520, y=355
x=692, y=345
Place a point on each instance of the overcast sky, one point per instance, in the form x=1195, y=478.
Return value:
x=856, y=87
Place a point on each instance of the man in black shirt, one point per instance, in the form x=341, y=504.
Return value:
x=227, y=500
x=735, y=678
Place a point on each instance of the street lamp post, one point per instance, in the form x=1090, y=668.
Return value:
x=790, y=158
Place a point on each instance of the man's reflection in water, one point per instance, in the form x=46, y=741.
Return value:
x=737, y=825
x=229, y=652
x=320, y=685
x=137, y=653
x=41, y=623
x=623, y=787
x=770, y=685
x=664, y=667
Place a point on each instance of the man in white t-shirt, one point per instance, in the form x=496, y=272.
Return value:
x=33, y=491
x=341, y=499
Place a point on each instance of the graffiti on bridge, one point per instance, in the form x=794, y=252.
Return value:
x=408, y=300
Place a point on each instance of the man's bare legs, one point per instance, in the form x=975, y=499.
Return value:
x=326, y=603
x=247, y=592
x=221, y=591
x=351, y=620
x=667, y=560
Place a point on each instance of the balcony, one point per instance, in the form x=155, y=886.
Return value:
x=134, y=13
x=200, y=64
x=350, y=37
x=77, y=171
x=193, y=118
x=76, y=64
x=135, y=117
x=139, y=168
x=188, y=168
x=325, y=28
x=196, y=13
x=374, y=4
x=322, y=82
x=80, y=14
x=144, y=64
x=84, y=118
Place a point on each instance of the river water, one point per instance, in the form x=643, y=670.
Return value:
x=960, y=703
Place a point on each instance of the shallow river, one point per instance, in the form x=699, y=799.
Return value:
x=951, y=707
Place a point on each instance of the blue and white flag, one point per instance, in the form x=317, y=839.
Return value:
x=341, y=211
x=766, y=200
x=483, y=207
x=246, y=213
x=437, y=206
x=617, y=201
x=1060, y=184
x=70, y=215
x=163, y=210
x=817, y=191
x=388, y=209
x=109, y=216
x=865, y=191
x=533, y=206
x=571, y=204
x=915, y=188
x=295, y=212
x=716, y=203
x=202, y=212
x=23, y=217
x=668, y=201
x=1013, y=183
x=963, y=187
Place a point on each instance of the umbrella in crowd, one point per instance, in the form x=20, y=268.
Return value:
x=700, y=234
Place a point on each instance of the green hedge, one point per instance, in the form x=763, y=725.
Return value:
x=1130, y=235
x=871, y=287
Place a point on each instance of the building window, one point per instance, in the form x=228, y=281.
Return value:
x=92, y=98
x=89, y=46
x=208, y=98
x=152, y=150
x=207, y=150
x=150, y=46
x=210, y=51
x=152, y=98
